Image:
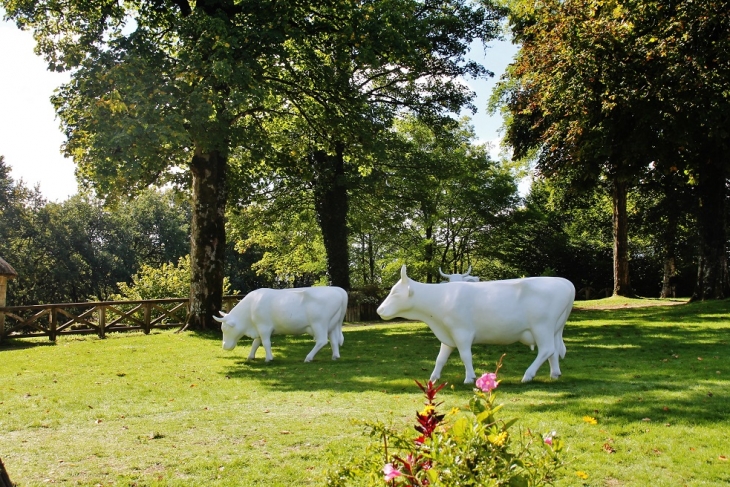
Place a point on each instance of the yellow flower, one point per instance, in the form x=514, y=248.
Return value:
x=454, y=411
x=427, y=410
x=499, y=439
x=590, y=420
x=581, y=474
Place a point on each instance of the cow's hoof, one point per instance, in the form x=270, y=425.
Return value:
x=555, y=377
x=469, y=381
x=307, y=360
x=527, y=378
x=335, y=357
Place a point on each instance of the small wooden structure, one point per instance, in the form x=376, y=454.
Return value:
x=6, y=273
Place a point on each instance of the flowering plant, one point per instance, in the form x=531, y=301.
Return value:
x=472, y=447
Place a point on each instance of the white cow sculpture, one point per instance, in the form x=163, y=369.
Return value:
x=317, y=311
x=532, y=311
x=465, y=277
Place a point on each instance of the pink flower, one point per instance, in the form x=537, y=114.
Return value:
x=488, y=382
x=549, y=441
x=391, y=472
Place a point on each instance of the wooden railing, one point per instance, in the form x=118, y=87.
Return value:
x=99, y=318
x=102, y=317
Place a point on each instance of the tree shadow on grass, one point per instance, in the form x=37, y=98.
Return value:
x=632, y=371
x=25, y=343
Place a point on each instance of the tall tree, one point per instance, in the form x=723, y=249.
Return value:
x=342, y=88
x=161, y=90
x=689, y=45
x=573, y=98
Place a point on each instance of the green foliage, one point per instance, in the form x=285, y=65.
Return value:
x=443, y=198
x=165, y=281
x=462, y=448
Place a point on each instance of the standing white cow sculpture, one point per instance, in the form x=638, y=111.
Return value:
x=465, y=277
x=317, y=311
x=532, y=311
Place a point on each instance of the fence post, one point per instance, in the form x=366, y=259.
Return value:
x=147, y=315
x=102, y=321
x=54, y=324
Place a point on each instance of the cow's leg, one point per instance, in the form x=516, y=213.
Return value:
x=554, y=359
x=443, y=356
x=554, y=365
x=545, y=350
x=465, y=354
x=266, y=342
x=320, y=340
x=254, y=347
x=335, y=336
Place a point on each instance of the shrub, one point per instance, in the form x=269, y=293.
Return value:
x=460, y=448
x=166, y=281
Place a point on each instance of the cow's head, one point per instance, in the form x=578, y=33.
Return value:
x=232, y=330
x=465, y=277
x=399, y=299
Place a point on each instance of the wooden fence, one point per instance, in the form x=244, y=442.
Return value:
x=103, y=317
x=97, y=318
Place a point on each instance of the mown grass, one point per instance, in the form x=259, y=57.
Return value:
x=175, y=409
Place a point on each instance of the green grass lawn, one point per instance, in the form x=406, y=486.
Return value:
x=175, y=409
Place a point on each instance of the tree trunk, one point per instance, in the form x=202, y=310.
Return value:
x=208, y=238
x=621, y=281
x=669, y=238
x=428, y=253
x=371, y=259
x=712, y=271
x=331, y=204
x=669, y=286
x=4, y=477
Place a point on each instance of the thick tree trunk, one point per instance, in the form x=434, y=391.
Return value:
x=4, y=477
x=669, y=286
x=208, y=238
x=712, y=272
x=331, y=204
x=621, y=281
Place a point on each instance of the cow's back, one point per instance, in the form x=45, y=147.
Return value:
x=500, y=312
x=293, y=310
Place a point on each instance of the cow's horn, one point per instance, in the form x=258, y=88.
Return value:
x=403, y=272
x=467, y=271
x=222, y=314
x=442, y=273
x=219, y=320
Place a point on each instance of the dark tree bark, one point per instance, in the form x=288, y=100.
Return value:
x=208, y=238
x=669, y=238
x=4, y=477
x=712, y=272
x=621, y=280
x=331, y=204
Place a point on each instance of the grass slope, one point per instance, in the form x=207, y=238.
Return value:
x=171, y=409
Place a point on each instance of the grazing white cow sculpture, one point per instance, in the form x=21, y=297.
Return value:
x=465, y=277
x=532, y=311
x=317, y=311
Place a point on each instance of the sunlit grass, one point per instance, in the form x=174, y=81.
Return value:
x=171, y=409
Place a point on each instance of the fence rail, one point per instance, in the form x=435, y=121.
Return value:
x=98, y=318
x=102, y=317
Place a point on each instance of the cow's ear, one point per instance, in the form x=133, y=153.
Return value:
x=410, y=291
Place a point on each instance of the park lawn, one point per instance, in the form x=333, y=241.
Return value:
x=175, y=409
